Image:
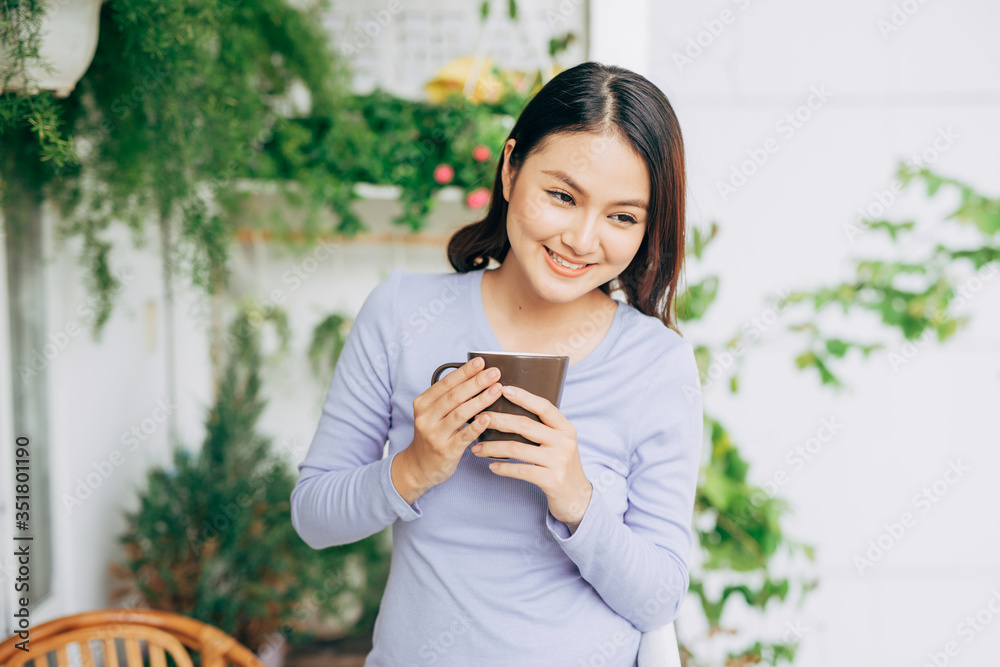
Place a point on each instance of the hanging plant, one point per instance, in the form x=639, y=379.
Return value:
x=176, y=103
x=25, y=102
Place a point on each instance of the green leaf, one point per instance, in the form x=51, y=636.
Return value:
x=805, y=359
x=717, y=488
x=826, y=376
x=894, y=229
x=836, y=347
x=694, y=302
x=949, y=327
x=933, y=183
x=700, y=239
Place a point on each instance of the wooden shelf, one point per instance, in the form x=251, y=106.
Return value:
x=365, y=191
x=384, y=233
x=249, y=235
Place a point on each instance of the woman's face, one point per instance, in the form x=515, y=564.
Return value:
x=584, y=197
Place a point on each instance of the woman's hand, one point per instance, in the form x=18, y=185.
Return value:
x=440, y=432
x=557, y=469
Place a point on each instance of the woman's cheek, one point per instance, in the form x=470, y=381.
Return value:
x=532, y=207
x=541, y=220
x=530, y=210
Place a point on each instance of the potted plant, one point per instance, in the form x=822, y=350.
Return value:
x=176, y=102
x=45, y=47
x=212, y=536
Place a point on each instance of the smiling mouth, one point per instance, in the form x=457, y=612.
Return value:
x=562, y=262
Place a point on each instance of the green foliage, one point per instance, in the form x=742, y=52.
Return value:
x=739, y=530
x=382, y=139
x=700, y=240
x=183, y=99
x=980, y=210
x=21, y=25
x=212, y=537
x=559, y=44
x=696, y=299
x=739, y=524
x=746, y=531
x=919, y=296
x=754, y=598
x=177, y=101
x=484, y=10
x=327, y=343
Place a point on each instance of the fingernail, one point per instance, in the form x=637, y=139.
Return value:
x=510, y=391
x=477, y=448
x=495, y=390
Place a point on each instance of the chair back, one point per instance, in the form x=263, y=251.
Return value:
x=162, y=632
x=658, y=648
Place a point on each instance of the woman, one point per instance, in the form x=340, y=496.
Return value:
x=568, y=560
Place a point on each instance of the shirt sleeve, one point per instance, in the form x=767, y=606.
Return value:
x=638, y=564
x=344, y=491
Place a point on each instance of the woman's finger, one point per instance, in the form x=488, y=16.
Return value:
x=548, y=413
x=529, y=473
x=510, y=449
x=523, y=426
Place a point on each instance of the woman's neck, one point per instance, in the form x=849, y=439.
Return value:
x=511, y=296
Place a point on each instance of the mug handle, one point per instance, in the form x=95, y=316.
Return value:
x=451, y=364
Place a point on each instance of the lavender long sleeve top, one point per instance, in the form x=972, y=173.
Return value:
x=481, y=572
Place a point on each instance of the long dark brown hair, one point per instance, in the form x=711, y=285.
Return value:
x=597, y=98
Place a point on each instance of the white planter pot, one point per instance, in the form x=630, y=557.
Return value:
x=68, y=41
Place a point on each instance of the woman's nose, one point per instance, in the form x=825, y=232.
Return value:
x=582, y=237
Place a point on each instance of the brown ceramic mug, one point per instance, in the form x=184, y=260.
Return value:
x=540, y=374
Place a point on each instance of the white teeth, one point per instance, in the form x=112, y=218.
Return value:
x=561, y=261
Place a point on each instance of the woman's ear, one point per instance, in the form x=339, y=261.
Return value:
x=506, y=173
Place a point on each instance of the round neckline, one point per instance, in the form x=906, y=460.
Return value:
x=493, y=343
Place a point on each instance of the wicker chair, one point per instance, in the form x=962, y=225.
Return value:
x=164, y=632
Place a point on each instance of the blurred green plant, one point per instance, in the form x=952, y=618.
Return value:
x=183, y=102
x=382, y=139
x=739, y=524
x=557, y=43
x=176, y=102
x=212, y=538
x=920, y=296
x=327, y=343
x=21, y=26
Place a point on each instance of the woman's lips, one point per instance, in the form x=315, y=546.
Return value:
x=563, y=270
x=564, y=258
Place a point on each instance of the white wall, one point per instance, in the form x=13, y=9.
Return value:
x=783, y=229
x=99, y=391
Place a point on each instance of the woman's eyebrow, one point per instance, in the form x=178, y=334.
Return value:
x=563, y=176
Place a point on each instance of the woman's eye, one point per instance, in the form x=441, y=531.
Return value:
x=564, y=198
x=559, y=195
